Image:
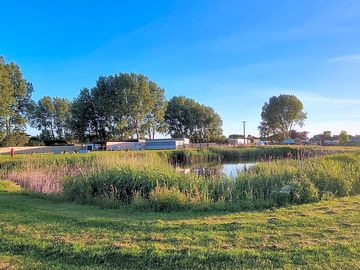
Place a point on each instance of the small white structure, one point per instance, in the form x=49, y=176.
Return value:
x=237, y=142
x=126, y=145
x=331, y=142
x=171, y=143
x=289, y=141
x=94, y=146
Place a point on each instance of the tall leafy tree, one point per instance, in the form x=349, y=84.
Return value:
x=187, y=118
x=51, y=117
x=83, y=121
x=119, y=106
x=15, y=93
x=43, y=118
x=344, y=137
x=154, y=120
x=62, y=117
x=280, y=115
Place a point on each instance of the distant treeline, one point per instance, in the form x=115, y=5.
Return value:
x=120, y=106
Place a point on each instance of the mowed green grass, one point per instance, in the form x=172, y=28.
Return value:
x=41, y=234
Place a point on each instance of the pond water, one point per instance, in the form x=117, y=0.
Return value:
x=208, y=169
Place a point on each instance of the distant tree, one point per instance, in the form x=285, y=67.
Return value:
x=120, y=106
x=62, y=117
x=280, y=115
x=15, y=100
x=344, y=137
x=16, y=138
x=154, y=120
x=327, y=135
x=83, y=121
x=43, y=118
x=35, y=141
x=144, y=104
x=187, y=118
x=51, y=117
x=298, y=134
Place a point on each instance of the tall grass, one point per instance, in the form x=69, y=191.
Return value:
x=145, y=179
x=44, y=173
x=264, y=153
x=285, y=181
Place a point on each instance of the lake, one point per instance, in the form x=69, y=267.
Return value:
x=208, y=169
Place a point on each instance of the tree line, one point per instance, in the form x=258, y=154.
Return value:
x=120, y=106
x=126, y=106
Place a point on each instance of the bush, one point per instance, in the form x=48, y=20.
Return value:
x=303, y=190
x=167, y=199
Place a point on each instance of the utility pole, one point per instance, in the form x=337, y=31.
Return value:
x=244, y=130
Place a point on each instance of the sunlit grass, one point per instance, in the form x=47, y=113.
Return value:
x=39, y=234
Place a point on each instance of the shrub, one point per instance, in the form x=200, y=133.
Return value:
x=167, y=199
x=303, y=191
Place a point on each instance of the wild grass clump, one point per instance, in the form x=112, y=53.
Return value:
x=263, y=153
x=44, y=173
x=126, y=183
x=167, y=199
x=292, y=181
x=145, y=180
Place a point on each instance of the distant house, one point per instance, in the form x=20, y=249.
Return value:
x=354, y=139
x=295, y=141
x=114, y=146
x=289, y=141
x=126, y=145
x=331, y=142
x=171, y=143
x=253, y=139
x=236, y=142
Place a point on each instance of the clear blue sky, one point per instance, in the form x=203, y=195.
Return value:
x=231, y=55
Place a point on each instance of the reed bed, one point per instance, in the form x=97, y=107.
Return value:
x=145, y=179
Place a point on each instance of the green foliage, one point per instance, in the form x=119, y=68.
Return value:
x=15, y=100
x=15, y=138
x=35, y=141
x=114, y=179
x=280, y=115
x=39, y=233
x=167, y=199
x=51, y=116
x=123, y=184
x=121, y=105
x=187, y=118
x=344, y=137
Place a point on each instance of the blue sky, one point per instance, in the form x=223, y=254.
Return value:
x=231, y=55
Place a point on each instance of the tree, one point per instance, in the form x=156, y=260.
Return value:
x=83, y=121
x=298, y=134
x=187, y=118
x=327, y=135
x=144, y=103
x=344, y=137
x=154, y=121
x=15, y=93
x=43, y=118
x=280, y=115
x=62, y=117
x=51, y=116
x=119, y=106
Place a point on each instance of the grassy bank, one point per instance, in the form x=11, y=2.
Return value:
x=39, y=234
x=145, y=180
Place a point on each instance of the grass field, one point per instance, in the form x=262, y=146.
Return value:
x=40, y=234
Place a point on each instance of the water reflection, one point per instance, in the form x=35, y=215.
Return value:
x=209, y=169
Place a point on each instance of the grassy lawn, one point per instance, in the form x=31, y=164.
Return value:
x=40, y=234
